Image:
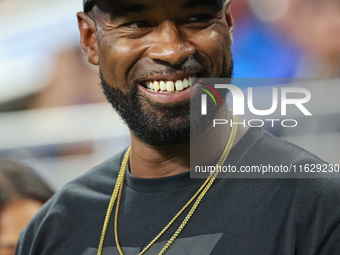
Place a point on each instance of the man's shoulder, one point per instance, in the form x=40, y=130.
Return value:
x=281, y=152
x=259, y=154
x=93, y=186
x=268, y=147
x=97, y=181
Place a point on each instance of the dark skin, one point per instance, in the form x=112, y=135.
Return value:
x=149, y=43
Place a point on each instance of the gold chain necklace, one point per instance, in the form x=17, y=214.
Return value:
x=117, y=194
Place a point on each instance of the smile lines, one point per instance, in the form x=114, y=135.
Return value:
x=168, y=86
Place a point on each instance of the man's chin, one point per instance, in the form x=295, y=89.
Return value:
x=163, y=137
x=154, y=123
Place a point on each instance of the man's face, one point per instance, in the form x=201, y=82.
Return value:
x=162, y=45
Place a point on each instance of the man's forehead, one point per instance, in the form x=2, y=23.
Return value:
x=135, y=6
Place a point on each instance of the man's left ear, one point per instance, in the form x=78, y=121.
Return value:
x=88, y=40
x=230, y=21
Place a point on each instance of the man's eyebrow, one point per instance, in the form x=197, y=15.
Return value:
x=215, y=4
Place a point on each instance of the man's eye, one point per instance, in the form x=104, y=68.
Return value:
x=199, y=18
x=137, y=24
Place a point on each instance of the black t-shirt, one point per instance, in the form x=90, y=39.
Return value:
x=236, y=216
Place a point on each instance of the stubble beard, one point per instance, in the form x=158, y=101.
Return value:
x=156, y=124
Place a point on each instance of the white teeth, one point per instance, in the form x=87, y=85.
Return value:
x=185, y=83
x=190, y=81
x=179, y=85
x=156, y=86
x=170, y=87
x=162, y=85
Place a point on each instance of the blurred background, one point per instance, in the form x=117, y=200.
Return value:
x=53, y=115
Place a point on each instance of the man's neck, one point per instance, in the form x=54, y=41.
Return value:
x=147, y=161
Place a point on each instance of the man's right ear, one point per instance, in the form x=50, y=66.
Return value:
x=88, y=39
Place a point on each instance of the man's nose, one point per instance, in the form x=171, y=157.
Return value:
x=169, y=45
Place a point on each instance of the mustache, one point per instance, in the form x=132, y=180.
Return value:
x=190, y=66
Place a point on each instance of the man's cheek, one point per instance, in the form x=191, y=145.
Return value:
x=112, y=66
x=219, y=53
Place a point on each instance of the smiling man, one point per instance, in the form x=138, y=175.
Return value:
x=143, y=201
x=148, y=54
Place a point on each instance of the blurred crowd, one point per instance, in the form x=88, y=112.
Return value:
x=287, y=38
